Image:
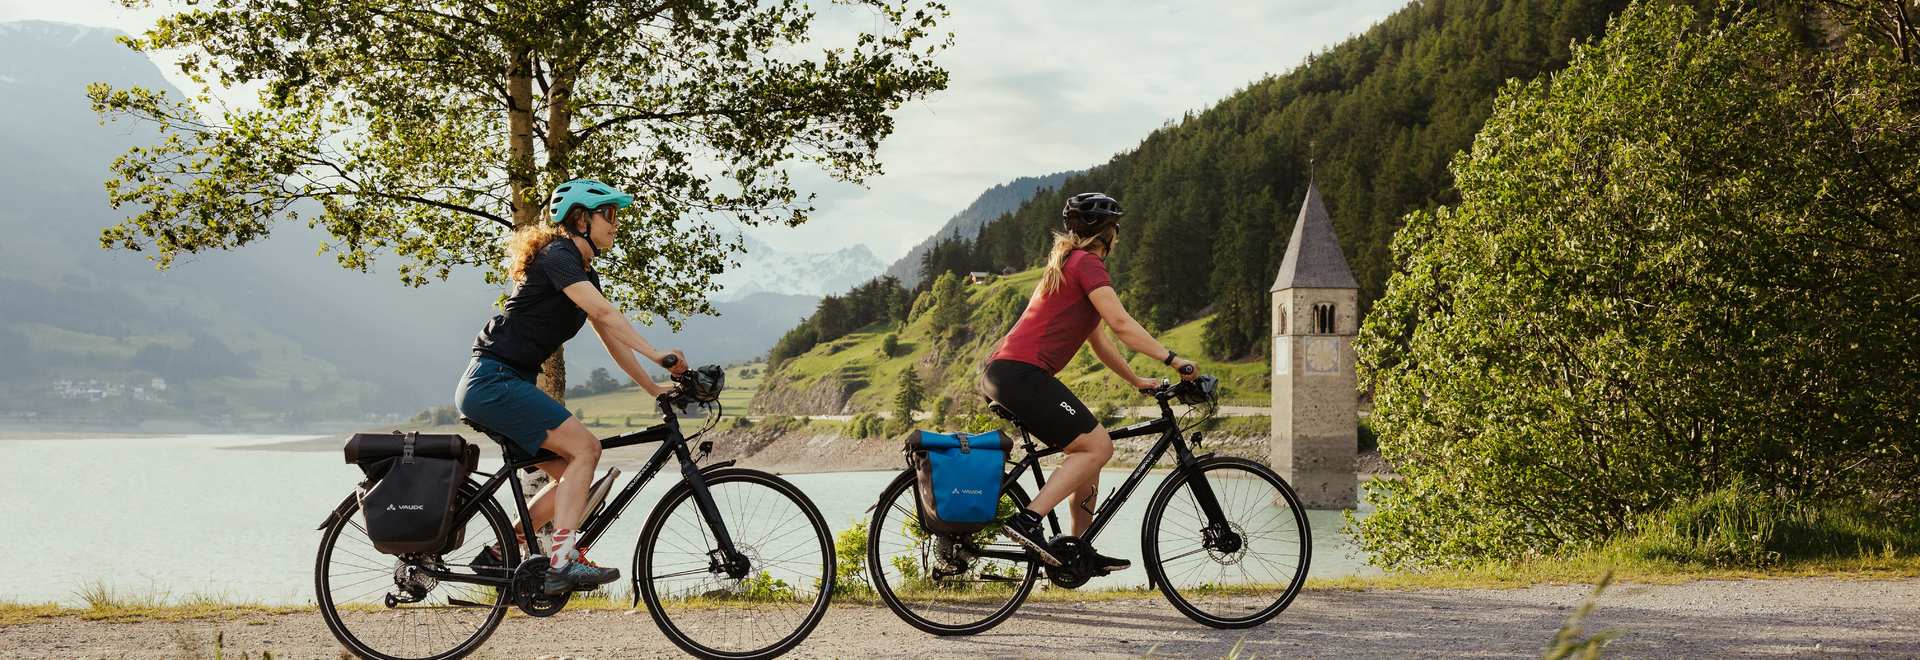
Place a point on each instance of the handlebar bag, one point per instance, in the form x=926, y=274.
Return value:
x=959, y=478
x=413, y=480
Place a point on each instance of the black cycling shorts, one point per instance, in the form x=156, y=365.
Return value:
x=1044, y=405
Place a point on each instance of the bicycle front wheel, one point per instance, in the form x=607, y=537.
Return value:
x=759, y=604
x=1237, y=571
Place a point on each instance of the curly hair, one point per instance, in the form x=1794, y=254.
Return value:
x=527, y=241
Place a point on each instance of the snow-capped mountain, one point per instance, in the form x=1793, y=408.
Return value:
x=764, y=269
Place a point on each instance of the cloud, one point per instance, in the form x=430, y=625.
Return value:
x=1043, y=87
x=1036, y=88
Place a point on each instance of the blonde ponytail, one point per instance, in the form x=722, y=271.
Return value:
x=1065, y=243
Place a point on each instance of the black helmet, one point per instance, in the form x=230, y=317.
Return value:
x=1088, y=214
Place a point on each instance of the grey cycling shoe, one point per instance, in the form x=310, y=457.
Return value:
x=577, y=575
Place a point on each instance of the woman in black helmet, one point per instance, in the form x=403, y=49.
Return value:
x=1073, y=298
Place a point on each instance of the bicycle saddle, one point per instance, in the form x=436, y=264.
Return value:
x=496, y=436
x=1001, y=411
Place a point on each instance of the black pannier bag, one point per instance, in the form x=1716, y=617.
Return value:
x=412, y=486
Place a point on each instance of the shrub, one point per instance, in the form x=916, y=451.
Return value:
x=1659, y=282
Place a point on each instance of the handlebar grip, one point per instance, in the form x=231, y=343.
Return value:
x=669, y=360
x=1187, y=369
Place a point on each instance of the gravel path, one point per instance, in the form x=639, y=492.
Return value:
x=1798, y=617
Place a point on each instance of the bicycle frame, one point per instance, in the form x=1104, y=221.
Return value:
x=1170, y=436
x=672, y=443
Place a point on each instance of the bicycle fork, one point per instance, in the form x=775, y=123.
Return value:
x=724, y=557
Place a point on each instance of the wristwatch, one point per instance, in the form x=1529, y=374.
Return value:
x=1170, y=356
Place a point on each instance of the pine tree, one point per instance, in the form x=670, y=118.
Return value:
x=908, y=399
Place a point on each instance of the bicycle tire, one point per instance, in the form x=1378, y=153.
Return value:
x=1151, y=537
x=889, y=503
x=745, y=539
x=337, y=623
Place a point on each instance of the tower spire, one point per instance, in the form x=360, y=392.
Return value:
x=1313, y=259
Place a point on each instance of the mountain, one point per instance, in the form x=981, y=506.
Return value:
x=995, y=202
x=764, y=269
x=270, y=331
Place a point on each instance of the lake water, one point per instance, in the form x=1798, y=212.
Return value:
x=181, y=516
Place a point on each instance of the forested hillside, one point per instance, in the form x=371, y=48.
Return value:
x=1210, y=197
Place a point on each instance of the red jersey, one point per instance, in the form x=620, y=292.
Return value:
x=1054, y=326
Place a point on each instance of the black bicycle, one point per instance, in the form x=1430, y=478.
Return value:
x=1225, y=539
x=732, y=563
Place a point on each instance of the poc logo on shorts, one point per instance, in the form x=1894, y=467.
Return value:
x=1069, y=409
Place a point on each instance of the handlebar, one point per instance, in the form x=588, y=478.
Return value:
x=1204, y=389
x=701, y=385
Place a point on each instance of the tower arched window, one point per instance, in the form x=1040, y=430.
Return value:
x=1323, y=318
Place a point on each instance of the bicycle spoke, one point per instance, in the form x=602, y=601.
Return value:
x=1205, y=573
x=775, y=602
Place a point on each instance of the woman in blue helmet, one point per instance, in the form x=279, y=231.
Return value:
x=555, y=292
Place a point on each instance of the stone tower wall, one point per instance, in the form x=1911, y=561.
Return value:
x=1315, y=432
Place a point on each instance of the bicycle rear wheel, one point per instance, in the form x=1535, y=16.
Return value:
x=1238, y=573
x=941, y=584
x=357, y=589
x=759, y=612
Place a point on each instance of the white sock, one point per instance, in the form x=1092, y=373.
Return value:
x=564, y=541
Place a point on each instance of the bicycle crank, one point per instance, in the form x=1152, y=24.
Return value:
x=528, y=596
x=1076, y=562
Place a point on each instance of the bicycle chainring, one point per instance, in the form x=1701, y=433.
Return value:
x=1076, y=562
x=528, y=596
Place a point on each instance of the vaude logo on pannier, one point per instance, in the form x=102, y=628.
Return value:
x=967, y=491
x=407, y=507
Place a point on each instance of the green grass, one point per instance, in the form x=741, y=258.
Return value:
x=1728, y=534
x=104, y=603
x=856, y=358
x=613, y=409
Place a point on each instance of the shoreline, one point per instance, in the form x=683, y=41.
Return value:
x=791, y=452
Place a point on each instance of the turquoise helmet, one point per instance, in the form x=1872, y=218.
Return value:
x=585, y=192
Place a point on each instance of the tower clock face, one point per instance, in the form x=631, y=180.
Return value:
x=1321, y=355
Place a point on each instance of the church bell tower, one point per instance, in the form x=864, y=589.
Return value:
x=1315, y=316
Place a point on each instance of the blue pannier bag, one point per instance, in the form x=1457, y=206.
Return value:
x=959, y=478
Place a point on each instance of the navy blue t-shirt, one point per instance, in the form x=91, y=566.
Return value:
x=539, y=317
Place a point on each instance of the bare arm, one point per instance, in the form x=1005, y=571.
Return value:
x=615, y=330
x=1109, y=355
x=624, y=357
x=1130, y=331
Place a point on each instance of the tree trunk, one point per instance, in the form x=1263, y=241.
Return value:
x=560, y=123
x=528, y=201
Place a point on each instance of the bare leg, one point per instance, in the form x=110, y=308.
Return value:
x=1080, y=470
x=540, y=508
x=1085, y=502
x=573, y=442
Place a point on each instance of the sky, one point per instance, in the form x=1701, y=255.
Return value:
x=1036, y=87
